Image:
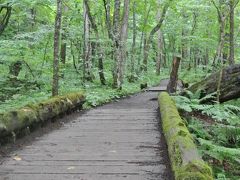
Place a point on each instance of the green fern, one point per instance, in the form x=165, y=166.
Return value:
x=225, y=113
x=220, y=152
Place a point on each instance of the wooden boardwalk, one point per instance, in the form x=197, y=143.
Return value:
x=163, y=86
x=117, y=141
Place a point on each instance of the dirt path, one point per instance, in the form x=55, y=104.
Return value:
x=120, y=140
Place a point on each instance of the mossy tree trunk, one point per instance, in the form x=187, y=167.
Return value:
x=229, y=87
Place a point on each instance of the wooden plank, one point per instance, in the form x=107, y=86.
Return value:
x=117, y=141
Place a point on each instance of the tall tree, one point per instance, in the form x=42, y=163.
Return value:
x=98, y=45
x=133, y=50
x=64, y=35
x=123, y=40
x=151, y=35
x=118, y=34
x=58, y=21
x=107, y=7
x=87, y=64
x=232, y=6
x=116, y=43
x=223, y=13
x=143, y=35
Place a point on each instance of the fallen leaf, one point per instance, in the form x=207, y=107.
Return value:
x=71, y=168
x=17, y=158
x=112, y=151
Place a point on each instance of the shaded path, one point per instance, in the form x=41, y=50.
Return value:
x=119, y=140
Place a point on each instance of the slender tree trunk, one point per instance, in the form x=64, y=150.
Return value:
x=133, y=54
x=63, y=49
x=120, y=37
x=231, y=39
x=63, y=53
x=87, y=75
x=117, y=45
x=143, y=38
x=123, y=37
x=107, y=6
x=219, y=55
x=206, y=56
x=145, y=53
x=159, y=45
x=184, y=42
x=33, y=18
x=164, y=51
x=222, y=17
x=98, y=45
x=58, y=20
x=159, y=52
x=150, y=38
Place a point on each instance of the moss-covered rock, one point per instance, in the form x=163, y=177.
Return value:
x=185, y=160
x=17, y=120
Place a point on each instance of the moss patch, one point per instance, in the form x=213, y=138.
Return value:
x=185, y=161
x=14, y=121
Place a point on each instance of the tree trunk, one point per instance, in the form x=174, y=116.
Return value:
x=133, y=54
x=98, y=45
x=184, y=42
x=159, y=45
x=107, y=5
x=231, y=39
x=124, y=36
x=229, y=84
x=172, y=85
x=143, y=37
x=116, y=44
x=153, y=31
x=63, y=53
x=58, y=22
x=222, y=17
x=219, y=54
x=119, y=41
x=87, y=65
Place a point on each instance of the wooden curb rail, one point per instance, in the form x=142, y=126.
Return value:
x=185, y=160
x=14, y=122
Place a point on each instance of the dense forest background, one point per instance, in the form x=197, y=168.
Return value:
x=112, y=43
x=112, y=48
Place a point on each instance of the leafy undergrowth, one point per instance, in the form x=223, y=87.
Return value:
x=216, y=129
x=96, y=94
x=195, y=74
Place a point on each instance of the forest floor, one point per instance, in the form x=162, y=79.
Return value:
x=120, y=140
x=18, y=95
x=216, y=130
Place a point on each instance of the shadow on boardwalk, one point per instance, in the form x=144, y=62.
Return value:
x=120, y=140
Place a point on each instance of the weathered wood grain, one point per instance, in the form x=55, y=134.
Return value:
x=117, y=141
